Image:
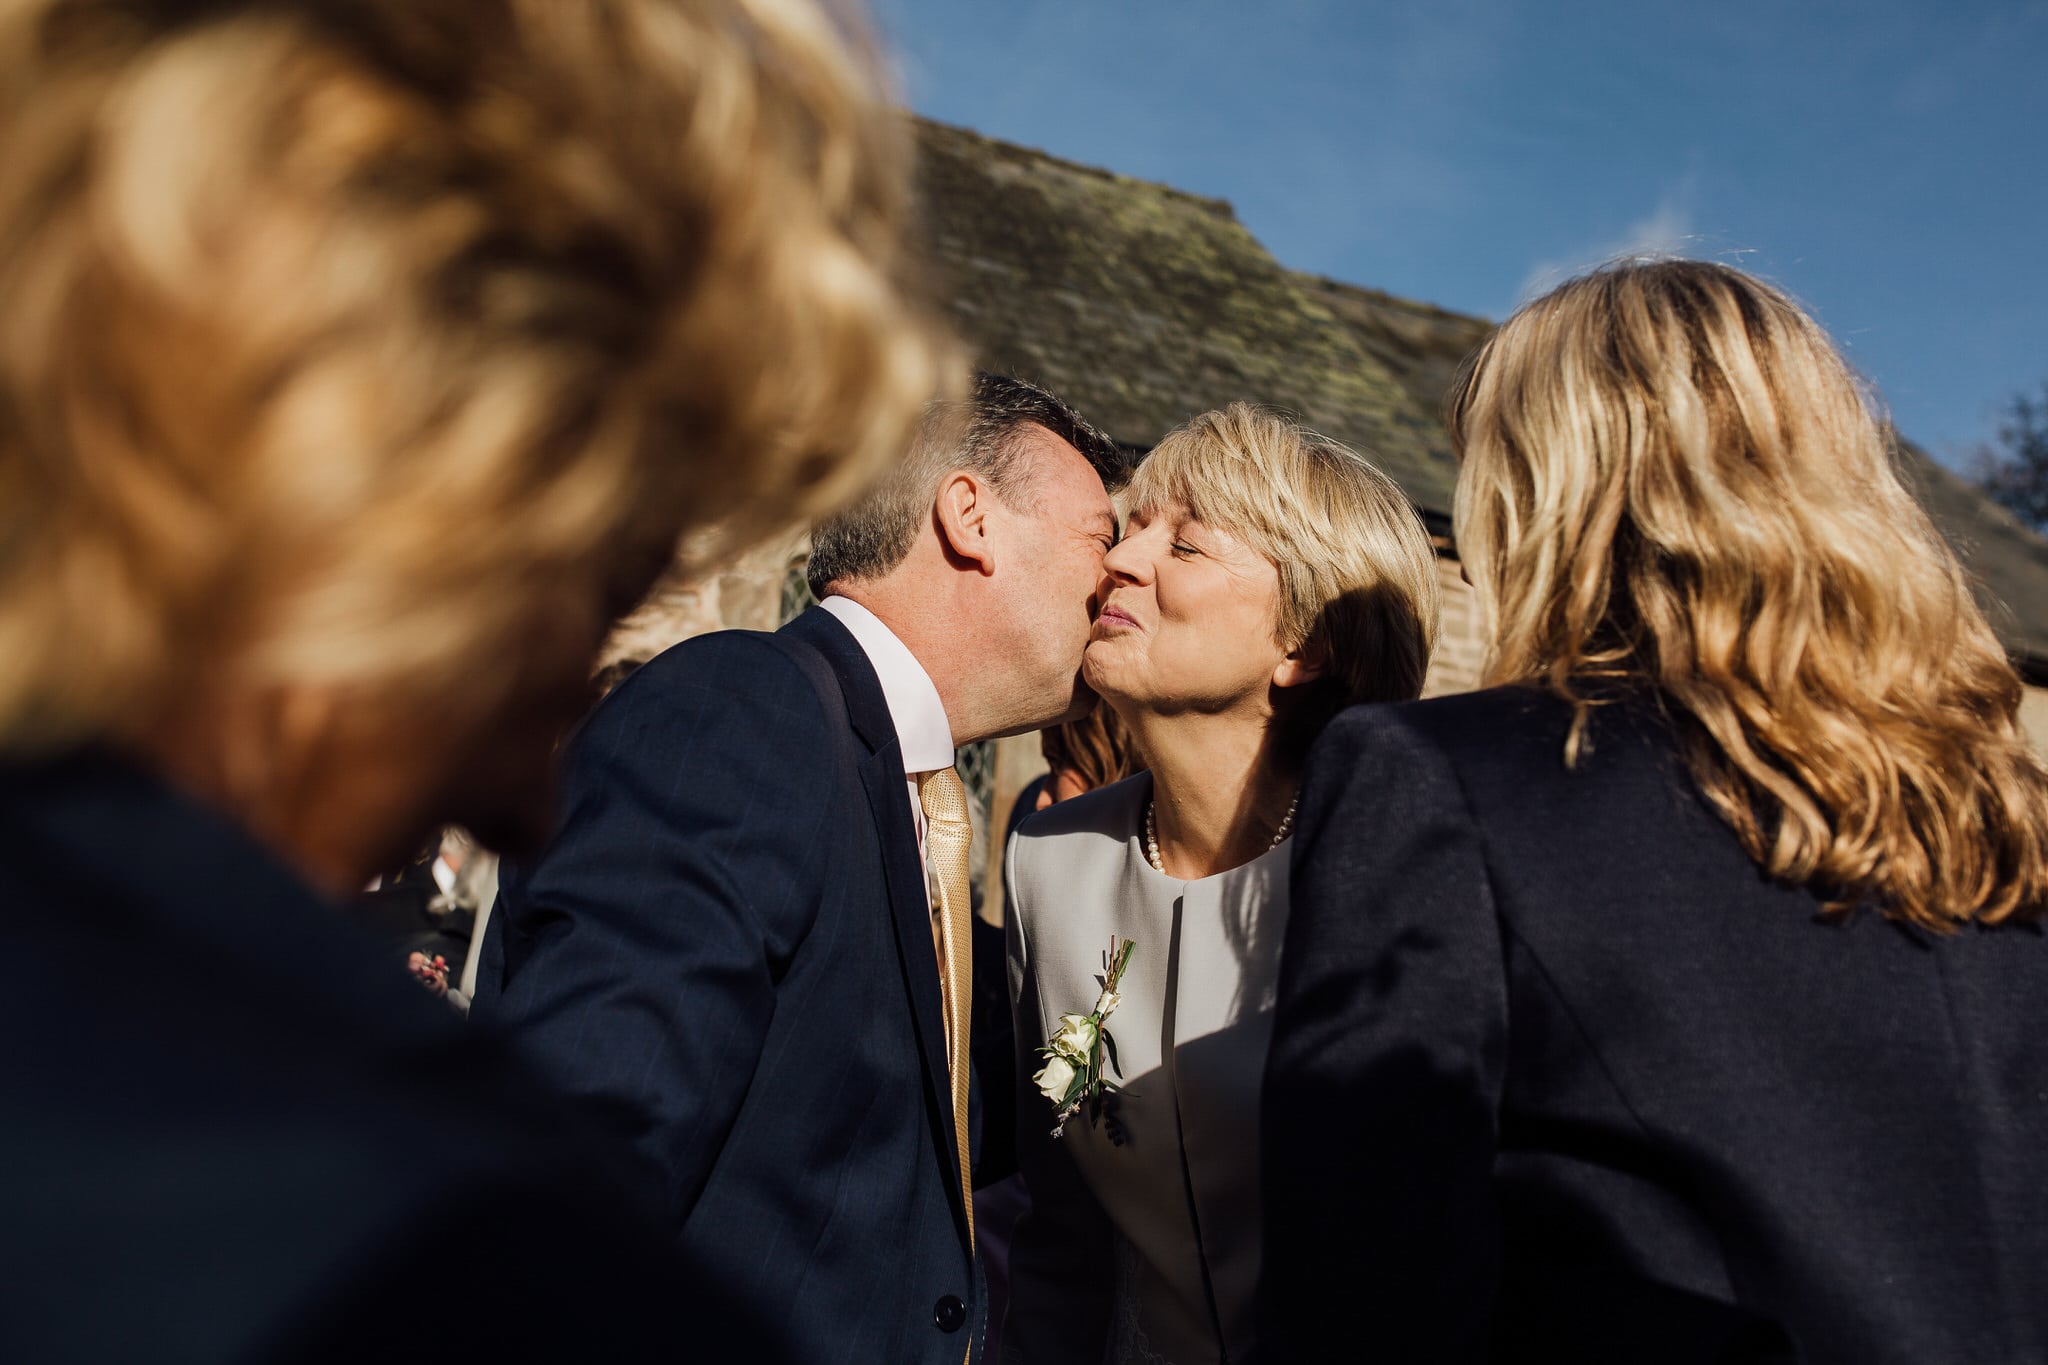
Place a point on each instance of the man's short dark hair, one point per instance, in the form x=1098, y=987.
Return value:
x=978, y=433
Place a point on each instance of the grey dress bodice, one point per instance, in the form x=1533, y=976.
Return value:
x=1173, y=1168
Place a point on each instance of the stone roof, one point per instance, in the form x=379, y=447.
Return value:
x=1144, y=305
x=1141, y=304
x=1422, y=346
x=2007, y=562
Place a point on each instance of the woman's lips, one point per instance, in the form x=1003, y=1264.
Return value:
x=1116, y=618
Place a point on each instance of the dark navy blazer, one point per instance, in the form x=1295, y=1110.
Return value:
x=1557, y=1074
x=233, y=1129
x=727, y=953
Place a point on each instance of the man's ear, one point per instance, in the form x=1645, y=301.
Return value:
x=961, y=513
x=1303, y=664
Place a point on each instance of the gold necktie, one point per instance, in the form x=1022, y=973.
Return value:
x=948, y=833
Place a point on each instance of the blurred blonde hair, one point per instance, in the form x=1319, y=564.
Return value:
x=1671, y=477
x=340, y=335
x=1357, y=573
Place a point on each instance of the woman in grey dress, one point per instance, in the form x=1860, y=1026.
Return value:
x=1267, y=578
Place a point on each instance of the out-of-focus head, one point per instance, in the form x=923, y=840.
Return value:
x=997, y=518
x=1261, y=559
x=360, y=359
x=1670, y=479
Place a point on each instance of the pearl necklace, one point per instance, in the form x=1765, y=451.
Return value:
x=1152, y=833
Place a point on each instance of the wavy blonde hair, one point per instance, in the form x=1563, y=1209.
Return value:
x=1670, y=477
x=1357, y=572
x=338, y=335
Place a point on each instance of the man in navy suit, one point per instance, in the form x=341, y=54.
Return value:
x=729, y=950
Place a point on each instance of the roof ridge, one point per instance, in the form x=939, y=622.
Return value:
x=1435, y=310
x=1220, y=207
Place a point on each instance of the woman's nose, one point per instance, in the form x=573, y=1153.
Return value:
x=1126, y=562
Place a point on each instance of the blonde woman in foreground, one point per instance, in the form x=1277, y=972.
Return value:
x=361, y=360
x=1679, y=998
x=1267, y=579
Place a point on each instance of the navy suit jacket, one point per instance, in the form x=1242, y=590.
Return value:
x=233, y=1129
x=726, y=952
x=1558, y=1074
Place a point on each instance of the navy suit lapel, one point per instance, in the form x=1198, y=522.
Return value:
x=882, y=777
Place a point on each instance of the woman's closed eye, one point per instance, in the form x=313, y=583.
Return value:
x=1184, y=550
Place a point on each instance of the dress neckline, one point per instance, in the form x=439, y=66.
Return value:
x=1134, y=845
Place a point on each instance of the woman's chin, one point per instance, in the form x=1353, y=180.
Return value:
x=1101, y=669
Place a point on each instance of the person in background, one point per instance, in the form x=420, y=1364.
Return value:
x=1080, y=756
x=461, y=882
x=361, y=361
x=409, y=910
x=1267, y=578
x=1678, y=998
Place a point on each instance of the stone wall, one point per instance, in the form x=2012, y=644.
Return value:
x=2034, y=717
x=1461, y=641
x=1019, y=761
x=744, y=595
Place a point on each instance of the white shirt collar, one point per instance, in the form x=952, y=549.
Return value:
x=914, y=706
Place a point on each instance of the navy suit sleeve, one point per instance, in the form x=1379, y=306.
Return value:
x=1384, y=1079
x=642, y=951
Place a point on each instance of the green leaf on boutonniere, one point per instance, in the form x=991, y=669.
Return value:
x=1109, y=1045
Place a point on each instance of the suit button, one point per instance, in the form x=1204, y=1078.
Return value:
x=949, y=1313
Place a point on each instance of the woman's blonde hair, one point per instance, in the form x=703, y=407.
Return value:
x=1671, y=478
x=1358, y=579
x=338, y=335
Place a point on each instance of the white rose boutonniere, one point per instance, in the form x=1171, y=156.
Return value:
x=1077, y=1034
x=1072, y=1075
x=1054, y=1077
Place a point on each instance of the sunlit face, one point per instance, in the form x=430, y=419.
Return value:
x=1059, y=536
x=1189, y=618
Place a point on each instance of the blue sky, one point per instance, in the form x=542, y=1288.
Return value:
x=1885, y=162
